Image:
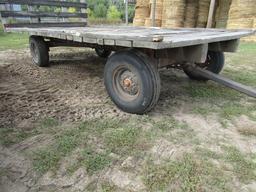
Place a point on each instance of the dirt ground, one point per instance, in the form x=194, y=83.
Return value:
x=71, y=91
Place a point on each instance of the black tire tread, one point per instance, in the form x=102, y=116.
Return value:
x=155, y=79
x=43, y=51
x=154, y=76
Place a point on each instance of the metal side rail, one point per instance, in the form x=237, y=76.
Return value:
x=227, y=82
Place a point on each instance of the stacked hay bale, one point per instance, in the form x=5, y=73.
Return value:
x=142, y=11
x=221, y=15
x=203, y=12
x=158, y=14
x=191, y=13
x=242, y=14
x=173, y=13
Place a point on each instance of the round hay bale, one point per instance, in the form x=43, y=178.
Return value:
x=142, y=3
x=191, y=13
x=138, y=22
x=242, y=14
x=221, y=16
x=173, y=13
x=172, y=23
x=242, y=9
x=142, y=11
x=240, y=23
x=148, y=22
x=203, y=11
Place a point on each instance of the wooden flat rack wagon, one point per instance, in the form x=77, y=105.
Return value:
x=131, y=73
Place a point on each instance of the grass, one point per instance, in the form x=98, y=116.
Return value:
x=197, y=172
x=211, y=92
x=244, y=165
x=12, y=40
x=122, y=140
x=10, y=136
x=230, y=110
x=248, y=131
x=94, y=161
x=190, y=173
x=65, y=142
x=117, y=137
x=48, y=123
x=46, y=159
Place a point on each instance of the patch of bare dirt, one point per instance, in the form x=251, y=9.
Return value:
x=71, y=89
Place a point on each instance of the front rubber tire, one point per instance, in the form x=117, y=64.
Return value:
x=101, y=52
x=39, y=51
x=134, y=68
x=215, y=62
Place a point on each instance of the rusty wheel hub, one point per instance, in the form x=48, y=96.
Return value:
x=129, y=83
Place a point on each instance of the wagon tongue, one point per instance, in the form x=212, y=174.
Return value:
x=224, y=81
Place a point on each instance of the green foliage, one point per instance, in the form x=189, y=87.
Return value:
x=100, y=11
x=113, y=13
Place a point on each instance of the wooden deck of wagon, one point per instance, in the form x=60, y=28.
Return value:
x=137, y=37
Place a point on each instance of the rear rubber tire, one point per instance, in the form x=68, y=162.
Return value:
x=214, y=63
x=142, y=76
x=39, y=51
x=101, y=52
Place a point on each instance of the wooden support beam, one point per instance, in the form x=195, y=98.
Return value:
x=153, y=9
x=210, y=16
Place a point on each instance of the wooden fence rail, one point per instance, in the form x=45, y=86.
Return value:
x=32, y=17
x=45, y=3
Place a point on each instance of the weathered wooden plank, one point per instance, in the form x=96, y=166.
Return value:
x=109, y=42
x=123, y=43
x=89, y=40
x=42, y=14
x=45, y=3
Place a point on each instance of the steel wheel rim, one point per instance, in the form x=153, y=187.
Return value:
x=126, y=83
